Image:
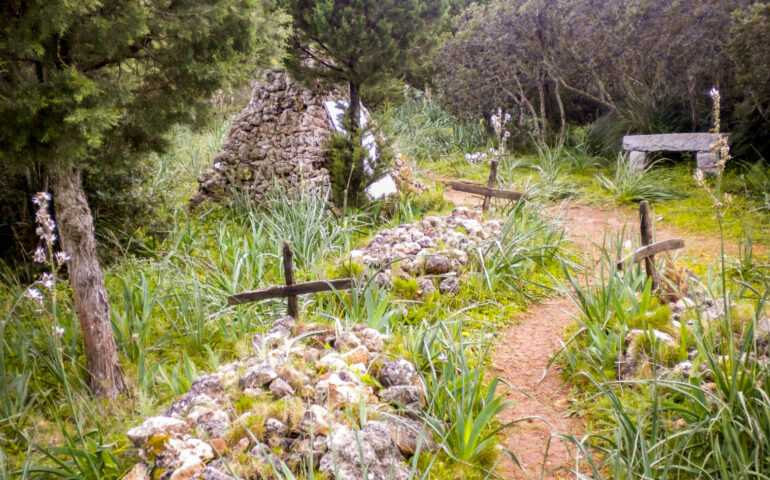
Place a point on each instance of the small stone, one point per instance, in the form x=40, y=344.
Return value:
x=138, y=472
x=357, y=355
x=213, y=421
x=449, y=285
x=437, y=265
x=460, y=255
x=315, y=420
x=384, y=280
x=341, y=388
x=307, y=392
x=381, y=458
x=156, y=426
x=190, y=465
x=286, y=322
x=371, y=338
x=280, y=388
x=398, y=372
x=241, y=446
x=410, y=435
x=211, y=473
x=257, y=376
x=426, y=286
x=312, y=355
x=683, y=369
x=331, y=361
x=401, y=394
x=219, y=445
x=181, y=406
x=346, y=341
x=274, y=428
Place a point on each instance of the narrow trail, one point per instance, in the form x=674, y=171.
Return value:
x=525, y=348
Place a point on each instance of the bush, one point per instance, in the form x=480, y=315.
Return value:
x=552, y=62
x=350, y=170
x=628, y=185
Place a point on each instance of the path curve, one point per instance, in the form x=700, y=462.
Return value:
x=524, y=349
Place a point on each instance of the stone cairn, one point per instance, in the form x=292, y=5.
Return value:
x=279, y=137
x=432, y=249
x=289, y=406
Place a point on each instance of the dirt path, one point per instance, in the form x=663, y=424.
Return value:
x=524, y=350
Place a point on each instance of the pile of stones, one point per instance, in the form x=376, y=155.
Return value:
x=685, y=312
x=278, y=138
x=295, y=404
x=431, y=250
x=280, y=135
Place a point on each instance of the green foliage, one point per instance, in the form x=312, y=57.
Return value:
x=628, y=185
x=543, y=61
x=666, y=426
x=461, y=402
x=350, y=169
x=94, y=82
x=406, y=287
x=423, y=132
x=757, y=182
x=526, y=243
x=357, y=42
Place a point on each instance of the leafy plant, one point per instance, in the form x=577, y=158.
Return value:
x=629, y=185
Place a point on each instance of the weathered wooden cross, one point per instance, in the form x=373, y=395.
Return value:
x=489, y=191
x=291, y=289
x=648, y=250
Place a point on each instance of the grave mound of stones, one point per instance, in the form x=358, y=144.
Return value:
x=278, y=138
x=288, y=406
x=431, y=250
x=636, y=361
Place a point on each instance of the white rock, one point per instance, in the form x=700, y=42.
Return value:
x=156, y=426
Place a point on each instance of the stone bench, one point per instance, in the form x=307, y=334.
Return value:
x=639, y=146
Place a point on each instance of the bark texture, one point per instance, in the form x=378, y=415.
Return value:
x=76, y=228
x=355, y=103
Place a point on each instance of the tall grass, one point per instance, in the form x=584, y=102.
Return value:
x=712, y=424
x=627, y=185
x=526, y=243
x=423, y=132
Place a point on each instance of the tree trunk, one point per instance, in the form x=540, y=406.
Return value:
x=76, y=228
x=355, y=110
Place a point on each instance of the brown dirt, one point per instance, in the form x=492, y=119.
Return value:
x=524, y=350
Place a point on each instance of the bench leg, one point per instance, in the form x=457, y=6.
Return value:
x=637, y=160
x=707, y=162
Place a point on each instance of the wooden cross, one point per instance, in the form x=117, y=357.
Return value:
x=291, y=289
x=648, y=250
x=489, y=191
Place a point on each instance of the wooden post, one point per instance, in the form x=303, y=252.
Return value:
x=646, y=234
x=490, y=183
x=292, y=308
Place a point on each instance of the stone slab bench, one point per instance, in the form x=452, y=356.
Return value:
x=639, y=146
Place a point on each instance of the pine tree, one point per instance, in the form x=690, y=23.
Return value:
x=357, y=42
x=91, y=82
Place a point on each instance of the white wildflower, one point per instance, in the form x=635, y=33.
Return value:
x=62, y=257
x=41, y=198
x=39, y=255
x=58, y=331
x=699, y=178
x=47, y=280
x=33, y=294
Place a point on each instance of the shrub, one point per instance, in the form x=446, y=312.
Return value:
x=350, y=169
x=628, y=185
